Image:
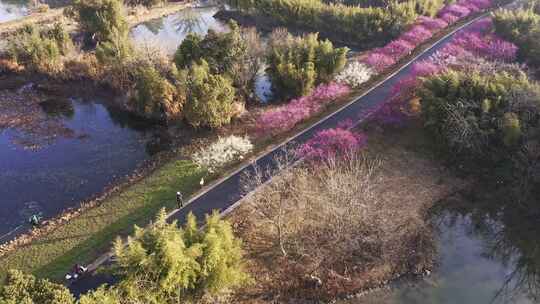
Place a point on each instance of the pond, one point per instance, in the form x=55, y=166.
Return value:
x=485, y=257
x=168, y=32
x=64, y=151
x=12, y=9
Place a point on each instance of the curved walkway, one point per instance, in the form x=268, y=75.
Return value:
x=226, y=194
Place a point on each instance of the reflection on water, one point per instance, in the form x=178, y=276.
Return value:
x=105, y=146
x=11, y=10
x=170, y=31
x=263, y=88
x=489, y=253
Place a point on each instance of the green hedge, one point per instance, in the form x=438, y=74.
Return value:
x=482, y=118
x=521, y=27
x=360, y=26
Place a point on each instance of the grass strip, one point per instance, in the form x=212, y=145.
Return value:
x=85, y=237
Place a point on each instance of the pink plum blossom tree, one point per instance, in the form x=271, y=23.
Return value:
x=332, y=143
x=285, y=117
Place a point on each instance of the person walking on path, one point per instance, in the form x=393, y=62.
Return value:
x=179, y=199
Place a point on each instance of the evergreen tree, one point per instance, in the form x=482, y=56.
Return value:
x=296, y=65
x=165, y=264
x=210, y=97
x=22, y=288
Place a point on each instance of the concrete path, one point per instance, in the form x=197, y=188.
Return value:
x=227, y=193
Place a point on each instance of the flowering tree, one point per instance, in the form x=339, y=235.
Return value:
x=355, y=74
x=287, y=116
x=417, y=34
x=223, y=151
x=332, y=143
x=432, y=24
x=379, y=61
x=475, y=50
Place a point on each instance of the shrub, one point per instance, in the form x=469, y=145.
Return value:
x=154, y=95
x=21, y=288
x=223, y=151
x=297, y=64
x=220, y=50
x=397, y=49
x=456, y=10
x=209, y=97
x=100, y=18
x=287, y=116
x=431, y=23
x=115, y=51
x=166, y=264
x=521, y=27
x=472, y=114
x=332, y=143
x=417, y=35
x=486, y=46
x=40, y=50
x=379, y=61
x=354, y=74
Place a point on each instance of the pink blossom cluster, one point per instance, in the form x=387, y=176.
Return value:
x=424, y=28
x=379, y=61
x=482, y=26
x=417, y=34
x=287, y=116
x=432, y=24
x=487, y=46
x=463, y=49
x=449, y=18
x=331, y=144
x=457, y=10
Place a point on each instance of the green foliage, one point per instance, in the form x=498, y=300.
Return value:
x=21, y=288
x=188, y=51
x=209, y=97
x=101, y=296
x=422, y=7
x=220, y=50
x=40, y=50
x=166, y=264
x=100, y=18
x=428, y=7
x=369, y=26
x=116, y=50
x=522, y=27
x=480, y=117
x=297, y=64
x=154, y=94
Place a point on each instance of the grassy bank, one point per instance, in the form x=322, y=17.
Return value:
x=83, y=238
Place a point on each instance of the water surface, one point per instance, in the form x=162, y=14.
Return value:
x=11, y=10
x=483, y=259
x=168, y=32
x=84, y=146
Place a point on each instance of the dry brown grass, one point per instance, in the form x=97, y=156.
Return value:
x=321, y=233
